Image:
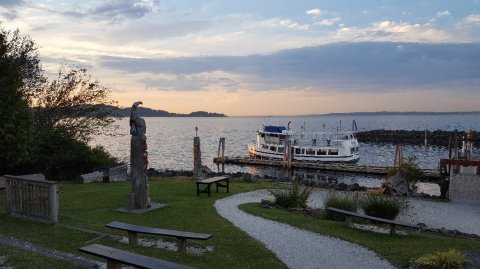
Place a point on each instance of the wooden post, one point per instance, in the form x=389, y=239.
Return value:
x=132, y=238
x=398, y=161
x=197, y=159
x=54, y=203
x=221, y=149
x=182, y=245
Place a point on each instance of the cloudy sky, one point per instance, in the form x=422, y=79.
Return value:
x=268, y=57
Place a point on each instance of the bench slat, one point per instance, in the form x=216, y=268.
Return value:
x=358, y=215
x=130, y=258
x=213, y=179
x=156, y=231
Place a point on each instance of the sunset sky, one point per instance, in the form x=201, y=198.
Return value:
x=268, y=57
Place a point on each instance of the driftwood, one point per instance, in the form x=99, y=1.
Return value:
x=91, y=177
x=397, y=185
x=117, y=173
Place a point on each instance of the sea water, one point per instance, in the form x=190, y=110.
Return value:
x=170, y=140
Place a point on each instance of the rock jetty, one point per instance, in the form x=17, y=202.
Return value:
x=437, y=138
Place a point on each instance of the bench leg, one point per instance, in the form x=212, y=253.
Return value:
x=198, y=189
x=392, y=229
x=228, y=185
x=132, y=238
x=182, y=245
x=208, y=189
x=111, y=264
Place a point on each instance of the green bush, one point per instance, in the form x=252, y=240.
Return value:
x=449, y=259
x=294, y=197
x=382, y=206
x=60, y=157
x=342, y=200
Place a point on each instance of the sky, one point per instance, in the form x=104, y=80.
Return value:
x=268, y=57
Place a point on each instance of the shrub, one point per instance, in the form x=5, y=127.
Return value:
x=346, y=201
x=449, y=259
x=294, y=197
x=382, y=206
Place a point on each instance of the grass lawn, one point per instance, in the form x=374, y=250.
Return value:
x=91, y=206
x=398, y=249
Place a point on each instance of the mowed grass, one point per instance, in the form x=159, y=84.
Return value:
x=91, y=206
x=397, y=249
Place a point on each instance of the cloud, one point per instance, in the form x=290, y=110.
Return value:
x=347, y=67
x=11, y=3
x=472, y=20
x=122, y=9
x=316, y=12
x=329, y=22
x=284, y=23
x=445, y=13
x=395, y=31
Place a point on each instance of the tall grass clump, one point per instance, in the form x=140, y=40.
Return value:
x=449, y=259
x=342, y=200
x=294, y=197
x=382, y=206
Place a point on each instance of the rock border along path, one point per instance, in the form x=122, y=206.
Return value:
x=295, y=247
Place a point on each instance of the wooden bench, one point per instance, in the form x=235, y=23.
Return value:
x=392, y=223
x=116, y=257
x=133, y=231
x=209, y=181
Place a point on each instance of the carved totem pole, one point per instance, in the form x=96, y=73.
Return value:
x=139, y=197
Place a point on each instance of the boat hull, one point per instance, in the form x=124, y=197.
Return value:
x=260, y=153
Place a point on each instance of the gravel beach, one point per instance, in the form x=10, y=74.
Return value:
x=302, y=249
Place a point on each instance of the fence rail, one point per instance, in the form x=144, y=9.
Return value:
x=34, y=199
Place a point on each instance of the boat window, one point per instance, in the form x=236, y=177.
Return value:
x=280, y=149
x=333, y=152
x=264, y=147
x=322, y=152
x=272, y=148
x=262, y=135
x=297, y=151
x=310, y=152
x=303, y=151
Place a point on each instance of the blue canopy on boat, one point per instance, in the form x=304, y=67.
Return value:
x=274, y=129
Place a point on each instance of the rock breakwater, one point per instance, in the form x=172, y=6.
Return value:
x=437, y=138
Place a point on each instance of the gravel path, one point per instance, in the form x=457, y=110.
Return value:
x=296, y=248
x=464, y=217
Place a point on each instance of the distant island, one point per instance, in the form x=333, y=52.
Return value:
x=148, y=112
x=387, y=113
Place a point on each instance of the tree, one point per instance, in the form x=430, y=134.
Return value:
x=20, y=76
x=75, y=105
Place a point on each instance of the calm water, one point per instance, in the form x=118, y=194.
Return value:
x=170, y=140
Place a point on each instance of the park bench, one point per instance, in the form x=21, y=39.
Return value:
x=116, y=257
x=392, y=223
x=209, y=181
x=133, y=231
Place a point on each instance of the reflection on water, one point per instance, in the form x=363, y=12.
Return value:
x=170, y=140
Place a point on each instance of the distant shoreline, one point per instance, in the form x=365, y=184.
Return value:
x=388, y=113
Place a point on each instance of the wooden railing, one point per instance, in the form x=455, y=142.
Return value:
x=34, y=199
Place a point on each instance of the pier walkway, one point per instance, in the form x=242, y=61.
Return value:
x=432, y=175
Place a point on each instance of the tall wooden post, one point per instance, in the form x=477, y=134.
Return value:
x=197, y=159
x=139, y=197
x=221, y=149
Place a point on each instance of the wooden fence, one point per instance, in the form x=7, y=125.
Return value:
x=34, y=199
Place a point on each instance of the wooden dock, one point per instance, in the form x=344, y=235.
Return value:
x=348, y=168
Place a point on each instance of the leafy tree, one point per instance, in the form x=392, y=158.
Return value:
x=412, y=171
x=20, y=76
x=75, y=105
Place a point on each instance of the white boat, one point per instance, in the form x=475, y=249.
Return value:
x=338, y=146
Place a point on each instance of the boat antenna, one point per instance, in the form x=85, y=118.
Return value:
x=288, y=125
x=354, y=126
x=340, y=125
